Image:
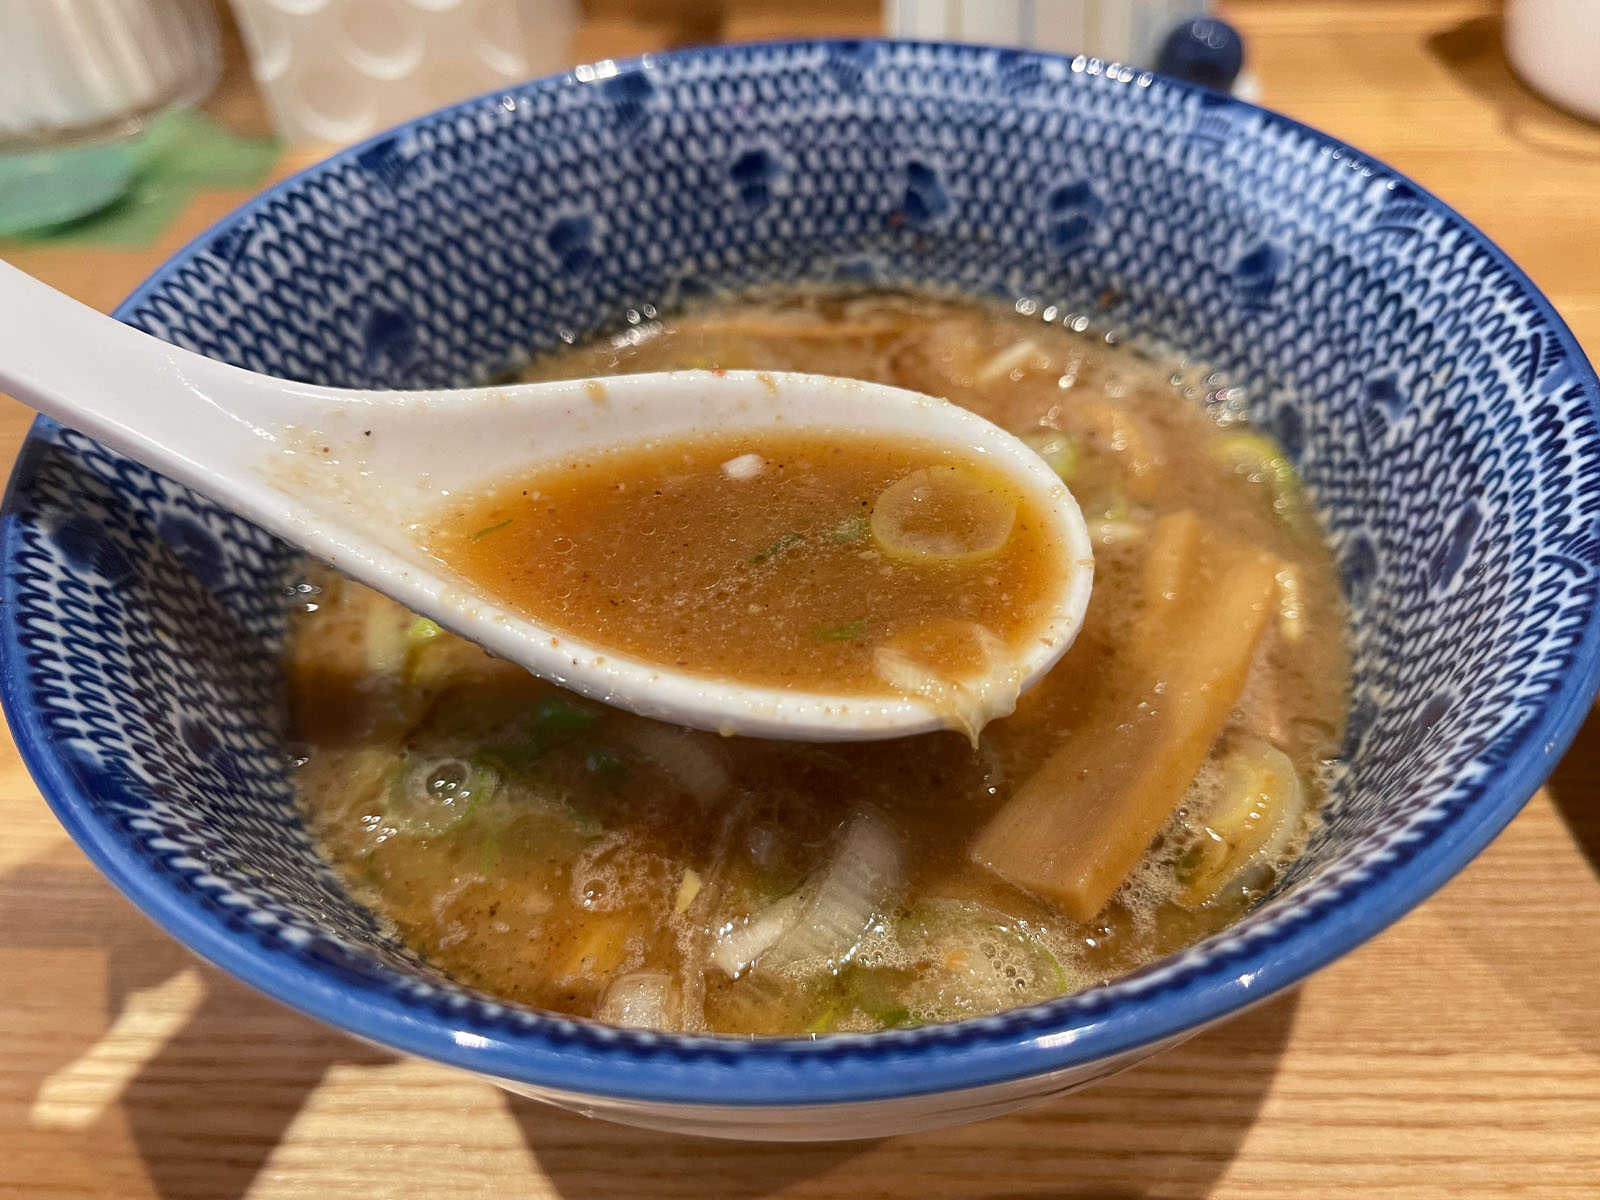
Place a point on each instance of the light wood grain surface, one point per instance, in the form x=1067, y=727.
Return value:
x=1456, y=1055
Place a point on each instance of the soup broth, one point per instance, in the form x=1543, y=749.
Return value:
x=1144, y=793
x=779, y=559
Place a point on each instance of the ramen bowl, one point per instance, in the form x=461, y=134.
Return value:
x=1442, y=417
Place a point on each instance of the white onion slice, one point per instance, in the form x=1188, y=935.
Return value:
x=643, y=1000
x=824, y=922
x=966, y=704
x=740, y=943
x=684, y=756
x=857, y=886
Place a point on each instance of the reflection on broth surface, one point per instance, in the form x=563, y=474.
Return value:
x=1144, y=792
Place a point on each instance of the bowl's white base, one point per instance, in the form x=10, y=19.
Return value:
x=841, y=1122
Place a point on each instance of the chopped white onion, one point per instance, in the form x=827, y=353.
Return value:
x=746, y=466
x=383, y=638
x=1291, y=602
x=643, y=1000
x=688, y=889
x=857, y=886
x=1290, y=821
x=966, y=704
x=1018, y=354
x=823, y=922
x=740, y=943
x=1115, y=533
x=684, y=756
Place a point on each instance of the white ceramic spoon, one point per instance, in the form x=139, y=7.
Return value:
x=348, y=475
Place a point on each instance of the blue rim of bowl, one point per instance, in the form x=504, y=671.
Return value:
x=582, y=1058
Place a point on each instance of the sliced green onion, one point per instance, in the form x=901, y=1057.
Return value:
x=511, y=735
x=1291, y=602
x=892, y=1018
x=488, y=529
x=1057, y=450
x=1261, y=460
x=559, y=714
x=842, y=633
x=825, y=1019
x=1254, y=813
x=851, y=529
x=787, y=542
x=602, y=762
x=418, y=635
x=942, y=515
x=1038, y=949
x=430, y=796
x=422, y=630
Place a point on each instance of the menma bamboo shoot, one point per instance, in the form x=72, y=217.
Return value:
x=1078, y=826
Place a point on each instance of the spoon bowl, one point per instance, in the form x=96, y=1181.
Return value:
x=352, y=476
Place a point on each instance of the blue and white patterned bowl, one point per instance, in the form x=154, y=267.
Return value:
x=1442, y=415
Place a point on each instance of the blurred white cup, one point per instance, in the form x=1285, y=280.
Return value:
x=1555, y=46
x=82, y=68
x=1125, y=31
x=338, y=70
x=79, y=82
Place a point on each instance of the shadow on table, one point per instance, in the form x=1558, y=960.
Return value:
x=227, y=1070
x=203, y=1077
x=1575, y=789
x=1512, y=934
x=1474, y=54
x=1168, y=1127
x=243, y=1066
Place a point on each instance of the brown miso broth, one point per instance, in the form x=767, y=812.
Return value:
x=782, y=559
x=1144, y=793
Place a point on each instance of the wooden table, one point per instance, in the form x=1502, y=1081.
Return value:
x=1456, y=1055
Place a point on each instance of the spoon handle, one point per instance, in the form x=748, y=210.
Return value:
x=355, y=478
x=173, y=409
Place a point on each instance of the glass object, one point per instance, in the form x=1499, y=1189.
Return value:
x=1125, y=31
x=1555, y=47
x=79, y=81
x=339, y=70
